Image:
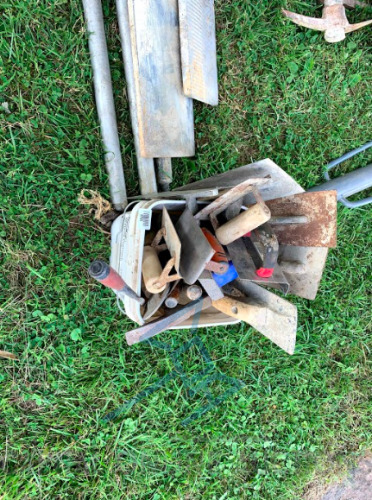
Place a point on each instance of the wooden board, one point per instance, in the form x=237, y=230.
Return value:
x=198, y=50
x=320, y=208
x=165, y=114
x=146, y=167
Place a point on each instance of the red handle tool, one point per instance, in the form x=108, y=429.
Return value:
x=102, y=272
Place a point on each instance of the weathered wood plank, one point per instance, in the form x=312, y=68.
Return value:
x=165, y=114
x=198, y=50
x=146, y=167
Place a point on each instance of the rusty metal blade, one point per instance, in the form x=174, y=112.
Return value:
x=321, y=212
x=172, y=240
x=354, y=27
x=313, y=23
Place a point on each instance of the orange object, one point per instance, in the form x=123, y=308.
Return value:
x=220, y=255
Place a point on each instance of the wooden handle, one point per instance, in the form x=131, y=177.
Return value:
x=237, y=227
x=173, y=298
x=183, y=295
x=239, y=310
x=151, y=270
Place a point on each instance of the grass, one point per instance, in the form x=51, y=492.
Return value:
x=284, y=94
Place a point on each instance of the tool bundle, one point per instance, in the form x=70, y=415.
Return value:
x=211, y=256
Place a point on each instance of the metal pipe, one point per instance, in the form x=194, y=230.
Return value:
x=164, y=171
x=105, y=101
x=146, y=167
x=351, y=183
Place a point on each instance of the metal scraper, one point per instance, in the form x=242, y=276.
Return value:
x=320, y=210
x=196, y=252
x=165, y=114
x=274, y=317
x=198, y=50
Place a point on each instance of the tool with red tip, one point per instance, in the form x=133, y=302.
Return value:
x=102, y=272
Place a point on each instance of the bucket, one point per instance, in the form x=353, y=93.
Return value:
x=127, y=244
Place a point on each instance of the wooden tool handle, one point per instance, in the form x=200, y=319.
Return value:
x=151, y=270
x=183, y=295
x=239, y=310
x=255, y=216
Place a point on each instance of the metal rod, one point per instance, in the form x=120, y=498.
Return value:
x=146, y=167
x=164, y=171
x=105, y=101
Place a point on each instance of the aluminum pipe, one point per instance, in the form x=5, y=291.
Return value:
x=105, y=101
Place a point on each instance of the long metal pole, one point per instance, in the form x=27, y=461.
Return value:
x=105, y=101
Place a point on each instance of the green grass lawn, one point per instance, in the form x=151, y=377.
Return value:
x=284, y=94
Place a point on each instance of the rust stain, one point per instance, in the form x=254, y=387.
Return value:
x=321, y=210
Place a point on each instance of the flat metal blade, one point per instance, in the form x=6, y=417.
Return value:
x=198, y=50
x=320, y=209
x=165, y=114
x=276, y=318
x=195, y=249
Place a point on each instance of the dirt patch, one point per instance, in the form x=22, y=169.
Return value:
x=356, y=486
